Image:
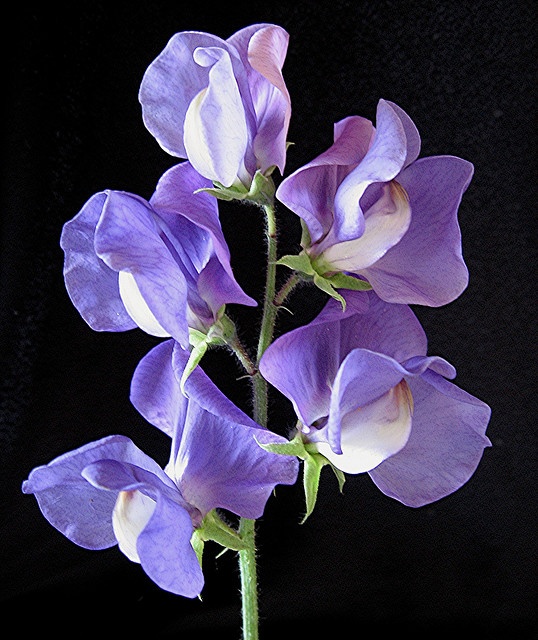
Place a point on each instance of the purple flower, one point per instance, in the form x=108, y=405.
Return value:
x=110, y=492
x=161, y=265
x=371, y=400
x=373, y=210
x=222, y=104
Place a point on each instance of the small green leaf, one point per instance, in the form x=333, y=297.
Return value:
x=294, y=447
x=195, y=356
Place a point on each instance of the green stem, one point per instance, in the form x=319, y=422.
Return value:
x=286, y=289
x=268, y=317
x=249, y=580
x=247, y=556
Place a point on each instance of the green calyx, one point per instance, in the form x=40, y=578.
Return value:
x=314, y=271
x=313, y=463
x=219, y=334
x=214, y=528
x=261, y=191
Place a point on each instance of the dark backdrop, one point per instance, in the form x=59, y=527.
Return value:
x=465, y=72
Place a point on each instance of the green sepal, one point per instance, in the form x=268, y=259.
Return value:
x=299, y=263
x=343, y=281
x=261, y=191
x=218, y=335
x=325, y=285
x=215, y=529
x=313, y=463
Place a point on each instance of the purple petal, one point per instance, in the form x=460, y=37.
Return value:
x=174, y=198
x=445, y=446
x=128, y=239
x=426, y=266
x=92, y=286
x=70, y=503
x=216, y=134
x=166, y=553
x=363, y=378
x=310, y=191
x=220, y=464
x=383, y=162
x=169, y=85
x=411, y=133
x=155, y=392
x=267, y=50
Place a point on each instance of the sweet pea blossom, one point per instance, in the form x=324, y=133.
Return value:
x=162, y=265
x=221, y=104
x=369, y=399
x=373, y=210
x=110, y=492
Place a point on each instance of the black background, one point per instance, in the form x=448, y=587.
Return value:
x=465, y=73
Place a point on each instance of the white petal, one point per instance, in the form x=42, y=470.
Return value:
x=136, y=306
x=385, y=224
x=374, y=432
x=131, y=514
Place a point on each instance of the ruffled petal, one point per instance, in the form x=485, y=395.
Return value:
x=79, y=510
x=155, y=392
x=92, y=286
x=175, y=199
x=169, y=85
x=426, y=266
x=383, y=162
x=385, y=224
x=310, y=191
x=128, y=238
x=445, y=446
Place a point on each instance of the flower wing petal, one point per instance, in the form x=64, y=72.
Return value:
x=426, y=266
x=445, y=446
x=92, y=286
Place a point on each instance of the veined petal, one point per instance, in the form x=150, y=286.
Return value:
x=426, y=266
x=383, y=162
x=92, y=285
x=128, y=238
x=373, y=432
x=215, y=131
x=386, y=222
x=445, y=446
x=169, y=85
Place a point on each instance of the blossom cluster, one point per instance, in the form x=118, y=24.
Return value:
x=379, y=233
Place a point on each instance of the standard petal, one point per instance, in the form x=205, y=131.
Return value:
x=309, y=192
x=82, y=512
x=272, y=104
x=445, y=446
x=220, y=464
x=175, y=199
x=215, y=130
x=155, y=392
x=92, y=286
x=383, y=162
x=128, y=238
x=411, y=133
x=169, y=85
x=426, y=266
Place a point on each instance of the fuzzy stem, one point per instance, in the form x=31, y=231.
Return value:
x=249, y=580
